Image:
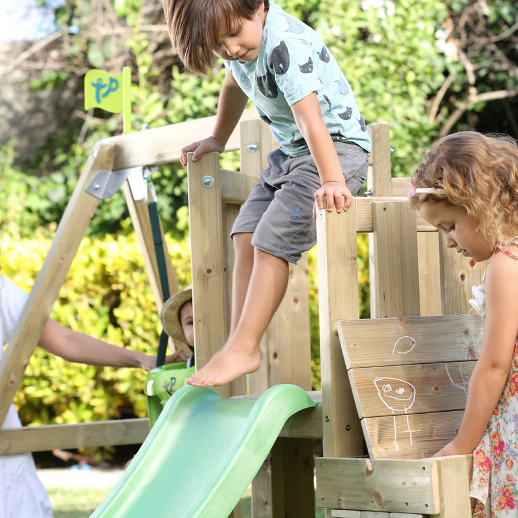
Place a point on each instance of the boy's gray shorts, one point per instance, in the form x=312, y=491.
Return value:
x=279, y=209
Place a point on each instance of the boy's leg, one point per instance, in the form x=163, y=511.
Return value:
x=241, y=354
x=243, y=264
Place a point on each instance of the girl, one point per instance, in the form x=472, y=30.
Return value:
x=22, y=495
x=467, y=187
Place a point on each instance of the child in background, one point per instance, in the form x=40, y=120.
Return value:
x=22, y=495
x=282, y=66
x=467, y=187
x=177, y=319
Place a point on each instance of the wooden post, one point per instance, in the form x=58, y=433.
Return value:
x=208, y=275
x=338, y=300
x=71, y=230
x=379, y=180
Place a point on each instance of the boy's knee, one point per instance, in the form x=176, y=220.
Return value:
x=243, y=242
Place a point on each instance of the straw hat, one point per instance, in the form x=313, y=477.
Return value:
x=170, y=314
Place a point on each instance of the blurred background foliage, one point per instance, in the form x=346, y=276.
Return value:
x=426, y=67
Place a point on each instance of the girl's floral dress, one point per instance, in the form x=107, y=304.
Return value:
x=495, y=460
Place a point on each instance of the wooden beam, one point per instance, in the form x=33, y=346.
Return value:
x=452, y=486
x=80, y=435
x=338, y=299
x=163, y=145
x=306, y=424
x=207, y=263
x=71, y=230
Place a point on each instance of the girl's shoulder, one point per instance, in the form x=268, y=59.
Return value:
x=510, y=250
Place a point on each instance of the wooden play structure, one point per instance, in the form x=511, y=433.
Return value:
x=395, y=383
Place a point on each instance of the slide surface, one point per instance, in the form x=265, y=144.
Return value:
x=202, y=454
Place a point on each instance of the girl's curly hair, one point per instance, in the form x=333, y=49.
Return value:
x=478, y=172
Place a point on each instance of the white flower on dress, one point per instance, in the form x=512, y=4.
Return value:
x=479, y=302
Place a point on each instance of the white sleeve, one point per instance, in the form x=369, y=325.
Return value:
x=12, y=302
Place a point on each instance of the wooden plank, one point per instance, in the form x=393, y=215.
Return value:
x=429, y=273
x=387, y=485
x=141, y=221
x=458, y=275
x=380, y=184
x=163, y=145
x=208, y=275
x=235, y=187
x=410, y=340
x=400, y=186
x=451, y=485
x=395, y=260
x=414, y=389
x=81, y=435
x=389, y=437
x=338, y=299
x=381, y=178
x=72, y=227
x=364, y=214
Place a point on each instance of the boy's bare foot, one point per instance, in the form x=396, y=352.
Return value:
x=227, y=365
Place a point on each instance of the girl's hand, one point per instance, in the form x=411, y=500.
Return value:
x=149, y=362
x=202, y=146
x=452, y=449
x=334, y=192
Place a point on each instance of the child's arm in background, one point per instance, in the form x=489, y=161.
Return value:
x=492, y=369
x=232, y=102
x=80, y=348
x=308, y=117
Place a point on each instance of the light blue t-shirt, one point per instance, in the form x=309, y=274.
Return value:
x=293, y=63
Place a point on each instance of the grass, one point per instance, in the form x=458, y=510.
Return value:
x=81, y=503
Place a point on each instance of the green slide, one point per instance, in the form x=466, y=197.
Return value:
x=202, y=454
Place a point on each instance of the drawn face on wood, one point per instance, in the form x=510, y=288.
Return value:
x=398, y=395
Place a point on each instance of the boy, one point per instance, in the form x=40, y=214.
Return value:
x=299, y=90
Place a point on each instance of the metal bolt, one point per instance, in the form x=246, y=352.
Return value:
x=369, y=192
x=327, y=419
x=95, y=153
x=252, y=147
x=207, y=181
x=145, y=126
x=348, y=427
x=97, y=186
x=392, y=150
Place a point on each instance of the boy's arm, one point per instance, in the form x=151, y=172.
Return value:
x=232, y=102
x=314, y=130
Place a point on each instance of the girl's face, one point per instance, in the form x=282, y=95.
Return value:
x=460, y=230
x=243, y=42
x=187, y=322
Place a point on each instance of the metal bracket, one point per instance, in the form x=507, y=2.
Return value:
x=106, y=183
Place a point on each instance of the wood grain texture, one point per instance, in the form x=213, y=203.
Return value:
x=414, y=389
x=410, y=340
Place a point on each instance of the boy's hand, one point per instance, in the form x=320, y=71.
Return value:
x=334, y=192
x=202, y=146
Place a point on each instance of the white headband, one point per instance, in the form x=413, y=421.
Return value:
x=429, y=190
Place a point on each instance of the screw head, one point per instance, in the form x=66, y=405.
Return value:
x=391, y=150
x=95, y=153
x=348, y=427
x=97, y=186
x=252, y=147
x=207, y=181
x=327, y=419
x=145, y=126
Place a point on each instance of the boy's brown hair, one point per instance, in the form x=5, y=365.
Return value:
x=195, y=26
